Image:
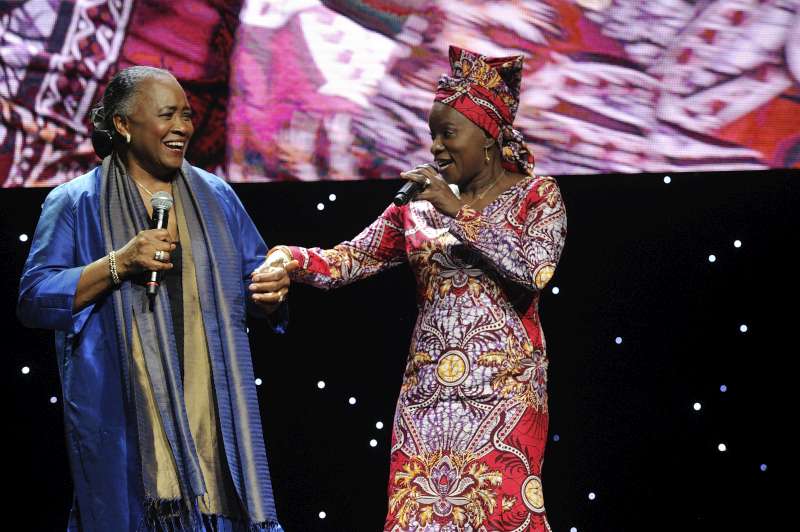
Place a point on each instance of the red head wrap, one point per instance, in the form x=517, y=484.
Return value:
x=486, y=91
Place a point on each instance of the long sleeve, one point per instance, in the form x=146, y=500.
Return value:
x=254, y=251
x=378, y=247
x=524, y=248
x=50, y=277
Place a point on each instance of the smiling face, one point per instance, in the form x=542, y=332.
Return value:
x=457, y=145
x=160, y=126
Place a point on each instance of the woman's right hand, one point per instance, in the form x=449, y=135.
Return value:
x=139, y=254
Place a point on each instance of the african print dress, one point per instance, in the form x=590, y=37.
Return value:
x=471, y=421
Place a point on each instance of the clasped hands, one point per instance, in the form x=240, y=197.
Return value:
x=269, y=283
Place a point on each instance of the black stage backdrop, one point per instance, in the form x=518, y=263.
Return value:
x=636, y=266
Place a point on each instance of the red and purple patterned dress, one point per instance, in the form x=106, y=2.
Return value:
x=471, y=421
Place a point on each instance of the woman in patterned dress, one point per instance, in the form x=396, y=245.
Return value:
x=471, y=421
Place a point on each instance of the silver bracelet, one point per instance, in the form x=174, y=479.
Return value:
x=112, y=267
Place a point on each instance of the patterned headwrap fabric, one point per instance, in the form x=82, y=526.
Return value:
x=486, y=91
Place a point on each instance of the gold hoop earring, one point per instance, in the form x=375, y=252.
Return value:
x=486, y=150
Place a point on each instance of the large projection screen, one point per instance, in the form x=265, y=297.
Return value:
x=340, y=90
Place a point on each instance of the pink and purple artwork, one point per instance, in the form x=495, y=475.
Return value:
x=340, y=89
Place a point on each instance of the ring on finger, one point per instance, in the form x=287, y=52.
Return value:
x=160, y=255
x=427, y=182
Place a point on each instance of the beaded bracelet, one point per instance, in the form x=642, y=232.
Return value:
x=112, y=267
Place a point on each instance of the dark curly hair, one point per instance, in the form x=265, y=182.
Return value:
x=117, y=101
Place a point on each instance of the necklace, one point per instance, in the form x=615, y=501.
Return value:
x=143, y=187
x=482, y=194
x=148, y=192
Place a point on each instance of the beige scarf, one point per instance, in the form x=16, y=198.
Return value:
x=220, y=497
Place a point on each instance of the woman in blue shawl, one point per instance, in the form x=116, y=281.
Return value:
x=162, y=424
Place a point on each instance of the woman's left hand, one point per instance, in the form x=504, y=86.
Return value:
x=436, y=190
x=270, y=285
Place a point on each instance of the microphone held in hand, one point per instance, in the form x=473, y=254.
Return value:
x=410, y=189
x=161, y=203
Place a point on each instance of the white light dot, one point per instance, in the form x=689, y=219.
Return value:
x=25, y=370
x=737, y=243
x=323, y=515
x=53, y=400
x=248, y=330
x=667, y=179
x=722, y=447
x=258, y=382
x=618, y=340
x=320, y=206
x=352, y=400
x=697, y=407
x=373, y=443
x=712, y=258
x=556, y=437
x=555, y=290
x=592, y=496
x=573, y=529
x=23, y=237
x=763, y=467
x=332, y=197
x=379, y=425
x=743, y=328
x=723, y=388
x=321, y=384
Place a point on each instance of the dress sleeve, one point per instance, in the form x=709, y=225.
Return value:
x=50, y=276
x=378, y=247
x=524, y=245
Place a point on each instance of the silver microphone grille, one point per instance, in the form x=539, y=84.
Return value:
x=161, y=200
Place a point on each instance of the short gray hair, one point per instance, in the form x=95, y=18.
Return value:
x=118, y=96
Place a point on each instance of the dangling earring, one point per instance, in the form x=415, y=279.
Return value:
x=486, y=151
x=128, y=138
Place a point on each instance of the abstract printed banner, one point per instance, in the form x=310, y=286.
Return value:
x=340, y=89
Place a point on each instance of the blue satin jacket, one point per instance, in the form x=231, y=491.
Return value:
x=100, y=436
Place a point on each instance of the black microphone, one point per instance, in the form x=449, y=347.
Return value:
x=410, y=189
x=161, y=203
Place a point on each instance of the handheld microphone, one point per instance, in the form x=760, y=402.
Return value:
x=410, y=189
x=161, y=203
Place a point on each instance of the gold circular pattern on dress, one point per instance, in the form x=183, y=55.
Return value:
x=544, y=275
x=453, y=368
x=532, y=494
